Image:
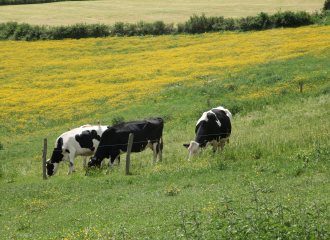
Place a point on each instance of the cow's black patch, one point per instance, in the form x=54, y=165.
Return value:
x=50, y=168
x=67, y=150
x=57, y=155
x=85, y=139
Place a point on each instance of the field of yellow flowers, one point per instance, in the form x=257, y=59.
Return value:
x=57, y=81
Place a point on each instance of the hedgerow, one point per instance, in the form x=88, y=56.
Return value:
x=196, y=24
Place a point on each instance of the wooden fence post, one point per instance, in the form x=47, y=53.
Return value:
x=128, y=154
x=208, y=102
x=301, y=86
x=44, y=155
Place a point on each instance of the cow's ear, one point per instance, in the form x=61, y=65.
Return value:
x=186, y=145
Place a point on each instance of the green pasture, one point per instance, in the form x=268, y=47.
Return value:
x=271, y=181
x=132, y=11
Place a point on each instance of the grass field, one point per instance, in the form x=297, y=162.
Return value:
x=132, y=11
x=272, y=180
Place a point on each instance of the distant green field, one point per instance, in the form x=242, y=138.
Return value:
x=271, y=181
x=132, y=11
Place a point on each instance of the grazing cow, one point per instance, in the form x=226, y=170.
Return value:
x=114, y=141
x=81, y=141
x=214, y=127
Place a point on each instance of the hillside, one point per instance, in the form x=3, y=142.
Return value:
x=271, y=180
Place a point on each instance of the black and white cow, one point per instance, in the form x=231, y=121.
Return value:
x=81, y=141
x=114, y=141
x=214, y=127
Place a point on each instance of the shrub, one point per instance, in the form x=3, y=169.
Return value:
x=159, y=28
x=284, y=19
x=130, y=29
x=245, y=24
x=27, y=32
x=181, y=27
x=118, y=29
x=198, y=24
x=146, y=28
x=99, y=30
x=291, y=19
x=7, y=29
x=224, y=24
x=78, y=31
x=303, y=18
x=322, y=18
x=59, y=33
x=262, y=21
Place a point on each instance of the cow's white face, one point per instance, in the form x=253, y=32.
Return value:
x=194, y=149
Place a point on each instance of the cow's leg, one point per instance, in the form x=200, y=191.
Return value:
x=116, y=161
x=84, y=160
x=214, y=148
x=71, y=160
x=109, y=166
x=200, y=152
x=160, y=149
x=221, y=145
x=154, y=148
x=103, y=163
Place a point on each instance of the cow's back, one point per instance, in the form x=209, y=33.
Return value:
x=84, y=140
x=116, y=137
x=225, y=120
x=143, y=129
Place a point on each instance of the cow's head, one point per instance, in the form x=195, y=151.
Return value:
x=94, y=162
x=51, y=167
x=194, y=149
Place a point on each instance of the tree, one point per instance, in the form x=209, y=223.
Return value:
x=326, y=5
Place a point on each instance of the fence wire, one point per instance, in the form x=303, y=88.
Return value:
x=158, y=140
